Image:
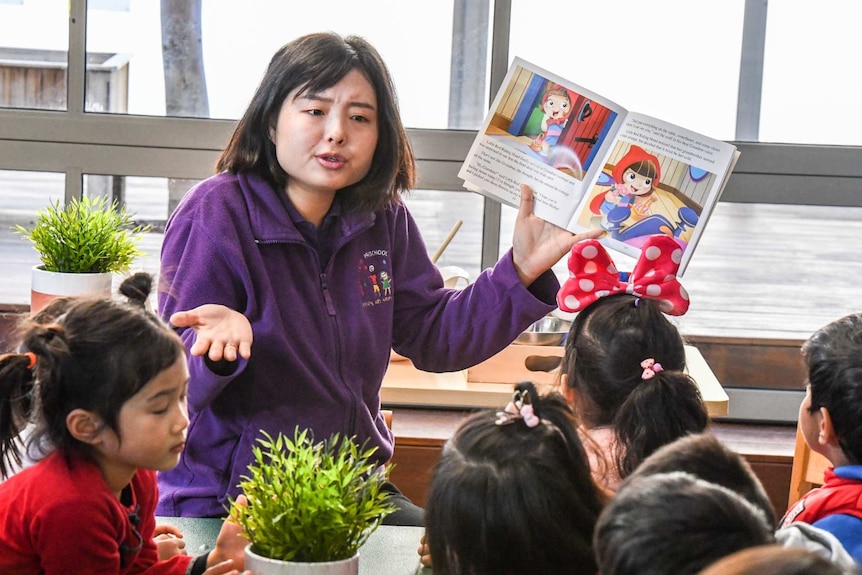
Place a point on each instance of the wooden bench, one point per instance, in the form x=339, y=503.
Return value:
x=421, y=433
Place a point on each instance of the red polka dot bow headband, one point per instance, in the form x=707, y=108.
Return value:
x=592, y=275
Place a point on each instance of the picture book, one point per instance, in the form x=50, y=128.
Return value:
x=593, y=164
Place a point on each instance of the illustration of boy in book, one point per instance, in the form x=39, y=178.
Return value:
x=556, y=107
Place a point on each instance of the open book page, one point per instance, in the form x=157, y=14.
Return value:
x=658, y=178
x=593, y=164
x=546, y=132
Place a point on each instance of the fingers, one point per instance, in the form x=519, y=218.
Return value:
x=222, y=568
x=590, y=234
x=166, y=529
x=526, y=206
x=229, y=351
x=183, y=319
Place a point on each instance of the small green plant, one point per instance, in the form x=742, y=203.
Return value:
x=311, y=502
x=85, y=236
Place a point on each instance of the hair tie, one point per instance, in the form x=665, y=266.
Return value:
x=519, y=408
x=593, y=275
x=650, y=367
x=32, y=357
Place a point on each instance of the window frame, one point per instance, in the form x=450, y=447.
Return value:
x=75, y=142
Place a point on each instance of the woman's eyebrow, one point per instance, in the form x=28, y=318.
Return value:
x=353, y=104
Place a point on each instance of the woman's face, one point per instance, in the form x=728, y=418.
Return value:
x=325, y=141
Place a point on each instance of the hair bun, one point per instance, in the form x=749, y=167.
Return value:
x=137, y=288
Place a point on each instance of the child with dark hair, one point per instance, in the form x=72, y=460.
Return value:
x=512, y=493
x=675, y=523
x=104, y=384
x=624, y=364
x=776, y=560
x=830, y=418
x=705, y=457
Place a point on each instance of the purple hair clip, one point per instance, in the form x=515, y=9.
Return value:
x=519, y=408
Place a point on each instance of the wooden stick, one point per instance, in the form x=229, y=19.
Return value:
x=445, y=243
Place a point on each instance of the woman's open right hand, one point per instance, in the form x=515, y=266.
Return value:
x=222, y=333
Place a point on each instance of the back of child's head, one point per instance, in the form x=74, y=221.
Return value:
x=775, y=560
x=833, y=355
x=83, y=353
x=513, y=494
x=675, y=523
x=648, y=407
x=707, y=458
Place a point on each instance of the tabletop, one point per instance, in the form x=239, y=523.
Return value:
x=390, y=550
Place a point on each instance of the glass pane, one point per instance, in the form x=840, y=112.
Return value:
x=34, y=38
x=736, y=269
x=437, y=212
x=807, y=51
x=149, y=201
x=678, y=61
x=24, y=193
x=237, y=39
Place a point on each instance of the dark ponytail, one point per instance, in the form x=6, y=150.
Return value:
x=508, y=496
x=16, y=404
x=657, y=412
x=606, y=345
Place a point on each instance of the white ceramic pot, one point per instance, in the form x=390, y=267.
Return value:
x=46, y=286
x=260, y=565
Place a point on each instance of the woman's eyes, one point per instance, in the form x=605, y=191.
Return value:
x=356, y=117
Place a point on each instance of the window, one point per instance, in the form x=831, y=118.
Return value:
x=95, y=117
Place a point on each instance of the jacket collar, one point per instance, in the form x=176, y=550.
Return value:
x=270, y=215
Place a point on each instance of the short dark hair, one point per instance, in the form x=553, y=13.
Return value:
x=833, y=355
x=606, y=344
x=706, y=457
x=775, y=560
x=675, y=523
x=313, y=63
x=514, y=499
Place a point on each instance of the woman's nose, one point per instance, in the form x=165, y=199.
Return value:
x=335, y=132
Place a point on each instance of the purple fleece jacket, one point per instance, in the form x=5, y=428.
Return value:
x=321, y=340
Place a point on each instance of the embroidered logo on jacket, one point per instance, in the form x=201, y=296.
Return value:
x=374, y=276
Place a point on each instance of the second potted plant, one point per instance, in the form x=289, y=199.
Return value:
x=81, y=245
x=311, y=505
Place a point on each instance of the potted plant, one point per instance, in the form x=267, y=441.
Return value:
x=311, y=505
x=81, y=245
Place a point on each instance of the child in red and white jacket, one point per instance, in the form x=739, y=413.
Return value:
x=830, y=418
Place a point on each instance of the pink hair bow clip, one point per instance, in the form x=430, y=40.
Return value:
x=650, y=367
x=519, y=408
x=592, y=275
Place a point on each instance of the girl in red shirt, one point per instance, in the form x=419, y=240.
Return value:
x=105, y=384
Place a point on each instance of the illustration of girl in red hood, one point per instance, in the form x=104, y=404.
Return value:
x=636, y=176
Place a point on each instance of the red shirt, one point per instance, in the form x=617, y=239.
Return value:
x=841, y=492
x=59, y=516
